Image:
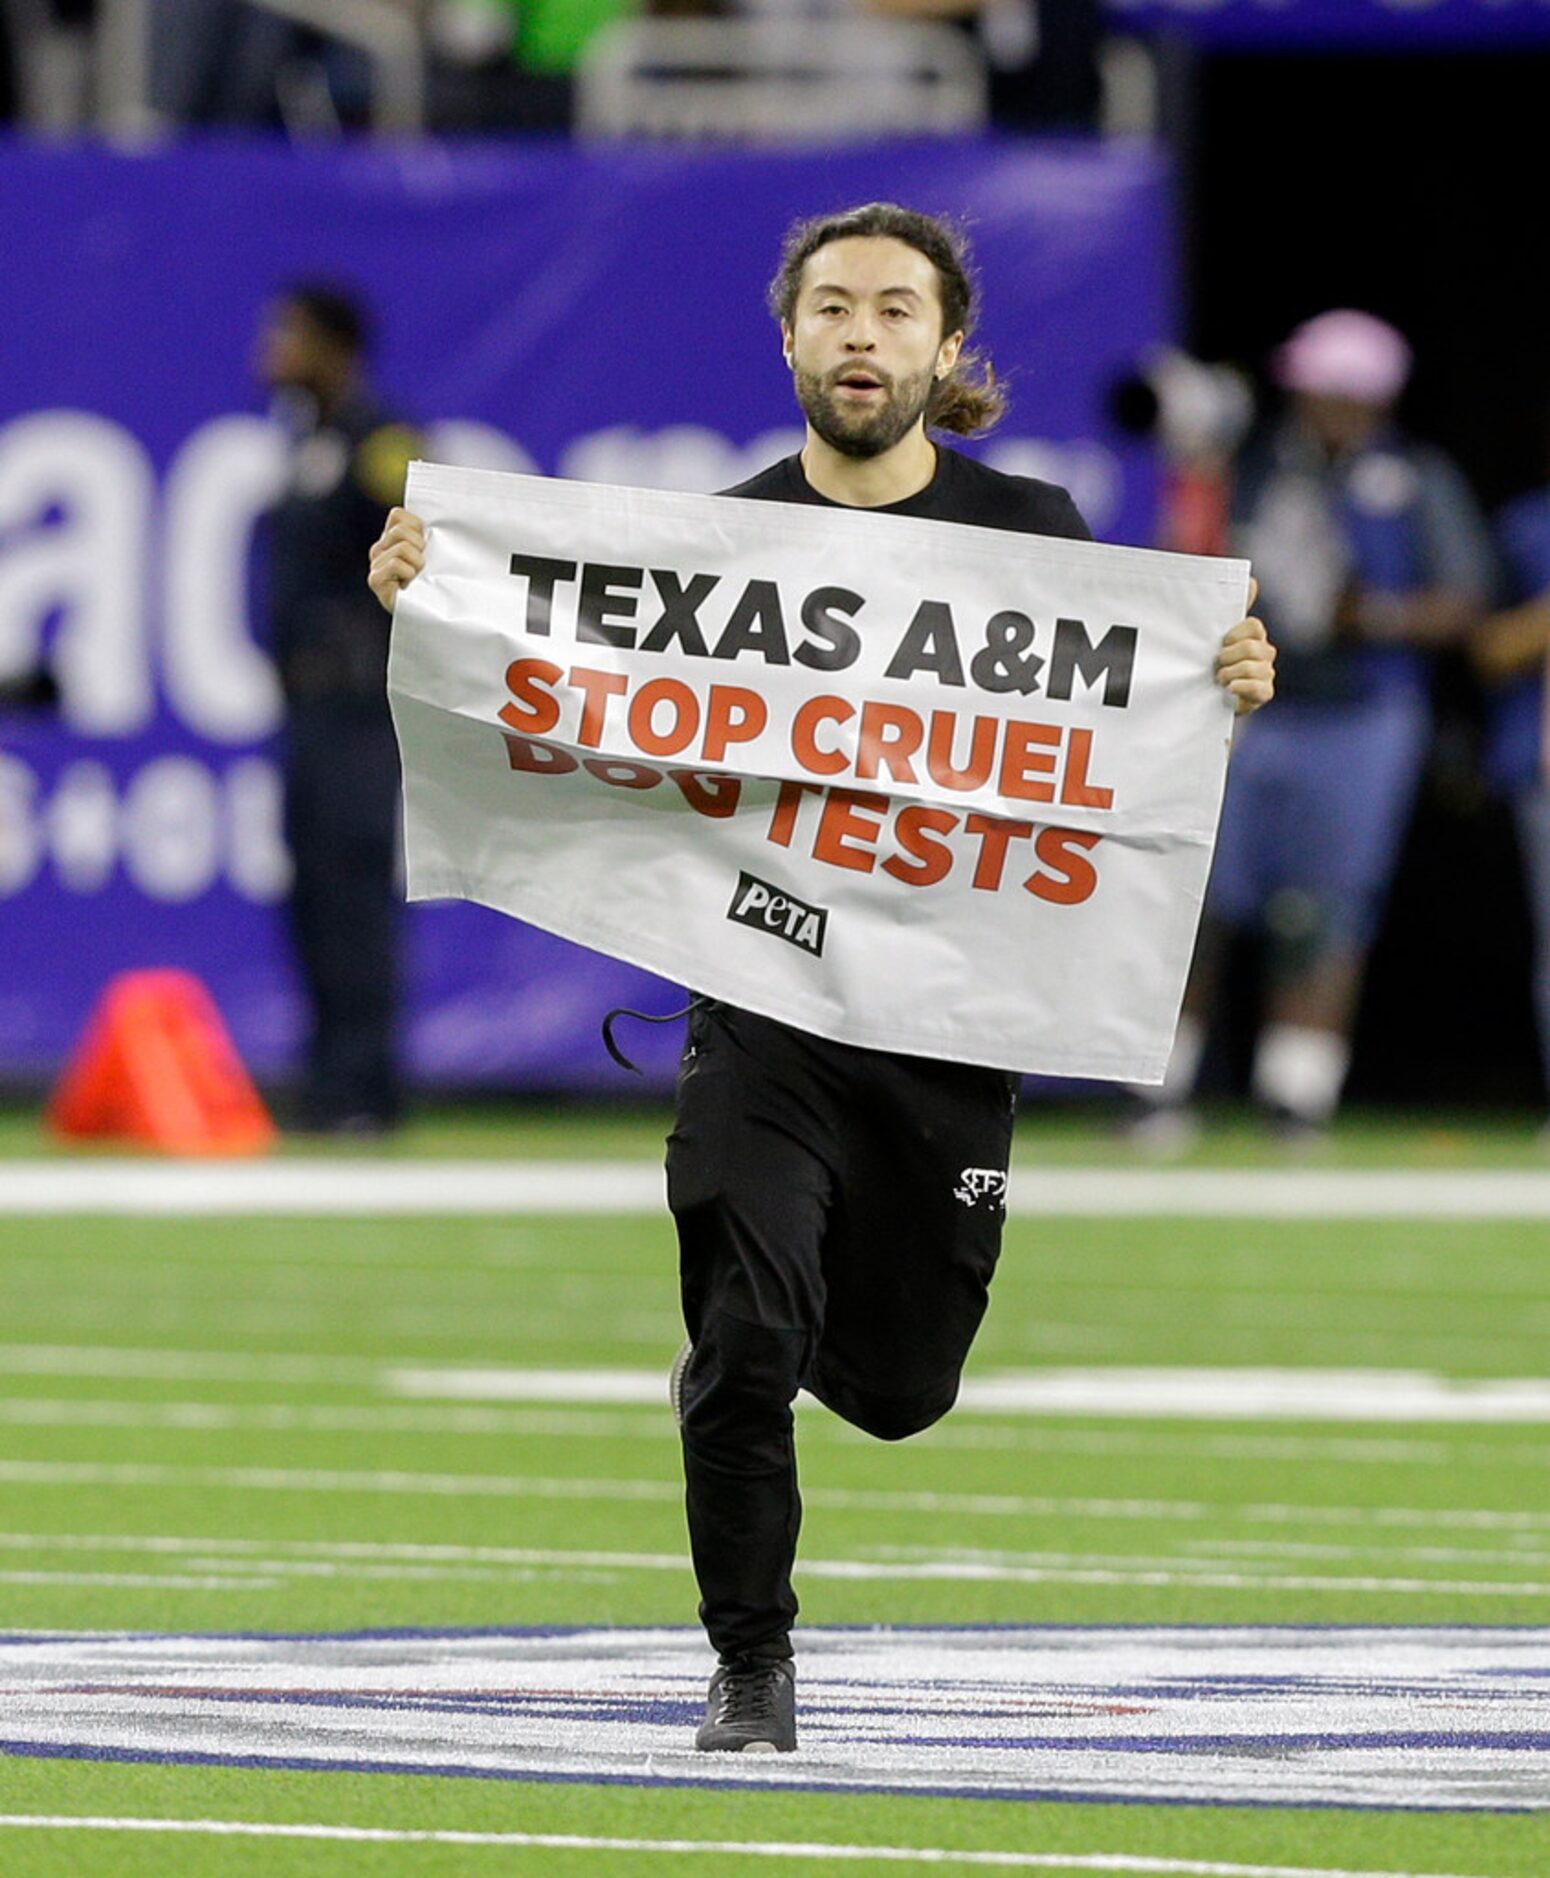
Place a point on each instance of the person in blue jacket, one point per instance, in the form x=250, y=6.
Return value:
x=1371, y=556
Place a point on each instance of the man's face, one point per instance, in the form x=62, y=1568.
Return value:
x=1340, y=424
x=865, y=342
x=292, y=354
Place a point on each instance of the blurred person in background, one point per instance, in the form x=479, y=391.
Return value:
x=329, y=640
x=216, y=61
x=1510, y=651
x=228, y=62
x=1196, y=414
x=46, y=55
x=1371, y=554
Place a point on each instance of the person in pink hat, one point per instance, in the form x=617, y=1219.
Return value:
x=1371, y=556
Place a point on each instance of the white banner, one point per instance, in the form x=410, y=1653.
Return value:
x=945, y=790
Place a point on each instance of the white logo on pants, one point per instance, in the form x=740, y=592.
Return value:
x=976, y=1184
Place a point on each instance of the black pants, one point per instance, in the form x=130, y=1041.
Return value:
x=341, y=824
x=839, y=1217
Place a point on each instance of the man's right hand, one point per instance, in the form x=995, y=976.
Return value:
x=397, y=555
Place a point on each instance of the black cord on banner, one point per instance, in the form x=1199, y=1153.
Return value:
x=646, y=1017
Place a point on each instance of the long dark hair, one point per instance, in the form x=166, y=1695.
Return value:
x=968, y=401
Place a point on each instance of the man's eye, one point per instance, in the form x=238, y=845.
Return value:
x=896, y=313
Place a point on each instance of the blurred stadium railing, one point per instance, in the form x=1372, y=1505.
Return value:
x=823, y=71
x=780, y=78
x=389, y=33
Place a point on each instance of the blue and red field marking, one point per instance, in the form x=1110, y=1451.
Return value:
x=1412, y=1718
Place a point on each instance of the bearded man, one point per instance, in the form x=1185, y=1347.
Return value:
x=823, y=1242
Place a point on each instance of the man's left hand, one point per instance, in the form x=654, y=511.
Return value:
x=1246, y=663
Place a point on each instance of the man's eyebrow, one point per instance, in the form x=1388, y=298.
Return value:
x=886, y=293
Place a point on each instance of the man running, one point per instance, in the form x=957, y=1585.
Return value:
x=822, y=1245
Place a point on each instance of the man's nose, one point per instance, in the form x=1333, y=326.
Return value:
x=860, y=338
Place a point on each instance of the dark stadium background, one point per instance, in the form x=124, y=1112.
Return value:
x=1410, y=186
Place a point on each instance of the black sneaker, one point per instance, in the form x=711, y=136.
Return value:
x=752, y=1709
x=675, y=1381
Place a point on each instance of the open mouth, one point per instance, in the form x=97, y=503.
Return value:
x=862, y=383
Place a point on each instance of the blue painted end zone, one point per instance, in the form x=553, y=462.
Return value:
x=1410, y=1718
x=418, y=1633
x=1054, y=1796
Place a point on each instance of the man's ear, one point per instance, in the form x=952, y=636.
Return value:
x=787, y=341
x=947, y=354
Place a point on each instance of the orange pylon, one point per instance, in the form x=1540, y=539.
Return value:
x=157, y=1065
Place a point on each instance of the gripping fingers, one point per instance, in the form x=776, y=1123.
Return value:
x=402, y=525
x=404, y=559
x=389, y=574
x=1245, y=665
x=397, y=555
x=1250, y=693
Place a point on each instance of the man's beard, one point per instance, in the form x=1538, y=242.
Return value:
x=863, y=430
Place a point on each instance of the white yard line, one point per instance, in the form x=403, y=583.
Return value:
x=1104, y=1390
x=717, y=1848
x=864, y=1571
x=90, y=1359
x=615, y=1425
x=315, y=1418
x=1318, y=1395
x=230, y=1565
x=670, y=1492
x=316, y=1188
x=334, y=1480
x=143, y=1581
x=330, y=1187
x=626, y=1425
x=1262, y=1394
x=271, y=1554
x=1348, y=1450
x=636, y=1387
x=270, y=1574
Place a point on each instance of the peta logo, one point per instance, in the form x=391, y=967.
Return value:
x=763, y=907
x=977, y=1184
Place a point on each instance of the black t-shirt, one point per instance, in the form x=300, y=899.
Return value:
x=960, y=491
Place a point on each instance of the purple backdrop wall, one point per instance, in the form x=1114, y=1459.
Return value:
x=592, y=315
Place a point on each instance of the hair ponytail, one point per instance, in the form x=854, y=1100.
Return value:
x=969, y=400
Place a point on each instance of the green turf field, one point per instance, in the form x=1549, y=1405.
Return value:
x=224, y=1424
x=1067, y=1133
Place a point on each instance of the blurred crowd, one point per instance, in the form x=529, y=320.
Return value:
x=487, y=64
x=1376, y=565
x=1379, y=570
x=1378, y=574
